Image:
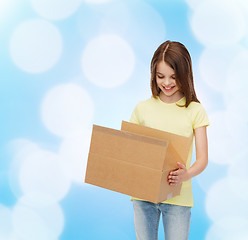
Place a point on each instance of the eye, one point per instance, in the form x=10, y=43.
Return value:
x=173, y=77
x=159, y=76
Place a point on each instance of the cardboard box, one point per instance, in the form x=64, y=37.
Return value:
x=136, y=160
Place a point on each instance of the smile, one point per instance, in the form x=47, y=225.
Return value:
x=168, y=89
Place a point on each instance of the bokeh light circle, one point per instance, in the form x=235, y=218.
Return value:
x=41, y=173
x=193, y=3
x=67, y=109
x=146, y=29
x=238, y=177
x=108, y=61
x=32, y=222
x=21, y=148
x=218, y=23
x=214, y=64
x=74, y=154
x=141, y=25
x=6, y=227
x=220, y=197
x=97, y=1
x=55, y=9
x=228, y=228
x=35, y=46
x=222, y=146
x=237, y=73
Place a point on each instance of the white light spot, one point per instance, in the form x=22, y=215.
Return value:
x=38, y=198
x=218, y=23
x=223, y=144
x=229, y=228
x=209, y=176
x=214, y=64
x=136, y=23
x=3, y=3
x=146, y=29
x=41, y=174
x=193, y=3
x=237, y=73
x=6, y=227
x=237, y=105
x=6, y=7
x=114, y=19
x=97, y=1
x=220, y=197
x=35, y=46
x=55, y=9
x=67, y=109
x=37, y=222
x=237, y=124
x=21, y=148
x=235, y=94
x=237, y=176
x=243, y=4
x=108, y=61
x=74, y=154
x=28, y=224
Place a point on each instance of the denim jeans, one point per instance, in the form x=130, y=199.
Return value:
x=176, y=220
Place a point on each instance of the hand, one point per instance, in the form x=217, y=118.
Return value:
x=179, y=175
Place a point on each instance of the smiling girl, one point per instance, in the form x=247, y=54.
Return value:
x=174, y=108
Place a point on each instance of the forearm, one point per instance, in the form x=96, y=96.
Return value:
x=182, y=174
x=198, y=167
x=201, y=146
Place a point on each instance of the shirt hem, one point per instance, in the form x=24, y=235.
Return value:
x=178, y=204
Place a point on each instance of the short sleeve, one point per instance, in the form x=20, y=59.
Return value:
x=200, y=117
x=135, y=116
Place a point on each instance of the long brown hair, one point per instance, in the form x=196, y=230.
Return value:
x=178, y=58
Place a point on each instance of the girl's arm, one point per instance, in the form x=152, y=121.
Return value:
x=201, y=145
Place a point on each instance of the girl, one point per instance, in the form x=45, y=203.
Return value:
x=174, y=108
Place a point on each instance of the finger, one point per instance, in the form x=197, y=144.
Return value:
x=180, y=165
x=174, y=178
x=174, y=173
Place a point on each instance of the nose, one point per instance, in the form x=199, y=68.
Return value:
x=166, y=81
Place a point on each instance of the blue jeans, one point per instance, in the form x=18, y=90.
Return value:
x=176, y=220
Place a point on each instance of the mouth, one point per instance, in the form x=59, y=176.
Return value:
x=168, y=89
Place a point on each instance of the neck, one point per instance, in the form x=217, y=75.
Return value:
x=171, y=99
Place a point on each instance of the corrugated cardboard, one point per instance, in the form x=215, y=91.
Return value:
x=135, y=161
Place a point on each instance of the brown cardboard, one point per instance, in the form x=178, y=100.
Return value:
x=135, y=161
x=178, y=151
x=180, y=143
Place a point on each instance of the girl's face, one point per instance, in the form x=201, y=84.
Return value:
x=166, y=81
